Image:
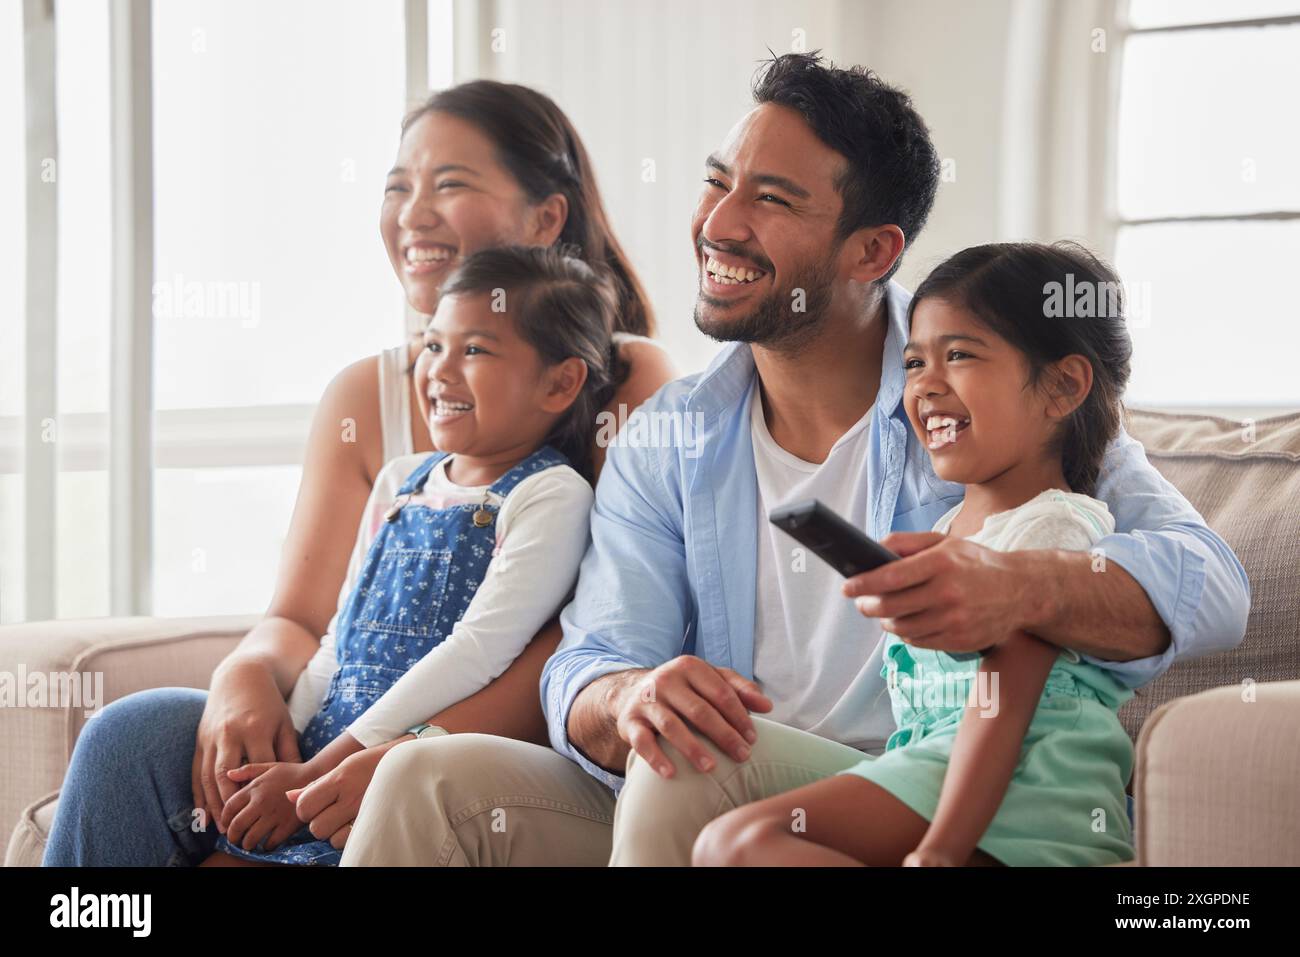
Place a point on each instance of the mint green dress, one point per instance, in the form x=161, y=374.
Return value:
x=1065, y=804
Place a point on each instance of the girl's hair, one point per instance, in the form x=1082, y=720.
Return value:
x=1050, y=302
x=535, y=141
x=562, y=307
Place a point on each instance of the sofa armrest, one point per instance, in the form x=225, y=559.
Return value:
x=1218, y=779
x=109, y=659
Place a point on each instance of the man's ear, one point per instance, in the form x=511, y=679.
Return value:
x=563, y=383
x=874, y=251
x=1071, y=381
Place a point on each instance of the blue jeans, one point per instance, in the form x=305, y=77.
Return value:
x=127, y=800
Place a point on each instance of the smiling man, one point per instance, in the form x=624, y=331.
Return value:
x=691, y=611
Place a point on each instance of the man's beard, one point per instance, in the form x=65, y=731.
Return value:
x=774, y=323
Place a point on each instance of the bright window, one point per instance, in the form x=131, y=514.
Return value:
x=273, y=126
x=1208, y=201
x=84, y=309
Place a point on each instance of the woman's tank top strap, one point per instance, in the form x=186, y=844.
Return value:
x=544, y=458
x=394, y=403
x=415, y=481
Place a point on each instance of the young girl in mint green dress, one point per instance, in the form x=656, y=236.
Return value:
x=1015, y=756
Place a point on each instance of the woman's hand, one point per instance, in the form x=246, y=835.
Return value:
x=261, y=810
x=330, y=803
x=246, y=720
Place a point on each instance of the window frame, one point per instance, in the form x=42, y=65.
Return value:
x=1128, y=31
x=41, y=238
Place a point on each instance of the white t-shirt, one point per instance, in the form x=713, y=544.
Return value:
x=1051, y=519
x=810, y=642
x=542, y=530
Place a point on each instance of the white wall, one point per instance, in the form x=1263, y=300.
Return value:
x=951, y=57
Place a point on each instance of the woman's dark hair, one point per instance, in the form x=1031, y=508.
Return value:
x=1050, y=302
x=893, y=169
x=536, y=142
x=563, y=307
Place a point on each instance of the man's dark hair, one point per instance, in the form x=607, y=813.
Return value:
x=893, y=169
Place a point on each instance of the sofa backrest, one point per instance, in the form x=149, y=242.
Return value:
x=1244, y=479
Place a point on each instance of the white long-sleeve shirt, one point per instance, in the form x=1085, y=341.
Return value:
x=542, y=531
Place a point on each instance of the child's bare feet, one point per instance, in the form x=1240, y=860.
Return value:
x=938, y=856
x=931, y=857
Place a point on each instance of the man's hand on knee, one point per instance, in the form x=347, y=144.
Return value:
x=681, y=698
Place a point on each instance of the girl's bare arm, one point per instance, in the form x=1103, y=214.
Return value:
x=984, y=756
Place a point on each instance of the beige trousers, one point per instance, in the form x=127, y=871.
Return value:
x=481, y=800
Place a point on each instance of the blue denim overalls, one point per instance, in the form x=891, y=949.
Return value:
x=419, y=577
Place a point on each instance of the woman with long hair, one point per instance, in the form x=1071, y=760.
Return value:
x=479, y=165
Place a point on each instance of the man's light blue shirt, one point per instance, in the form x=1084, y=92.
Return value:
x=672, y=561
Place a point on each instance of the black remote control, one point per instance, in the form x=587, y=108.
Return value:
x=849, y=550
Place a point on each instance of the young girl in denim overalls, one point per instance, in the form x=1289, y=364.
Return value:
x=510, y=391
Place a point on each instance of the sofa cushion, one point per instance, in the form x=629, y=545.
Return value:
x=1218, y=780
x=1244, y=478
x=27, y=843
x=129, y=653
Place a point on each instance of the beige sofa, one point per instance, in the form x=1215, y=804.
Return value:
x=1218, y=738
